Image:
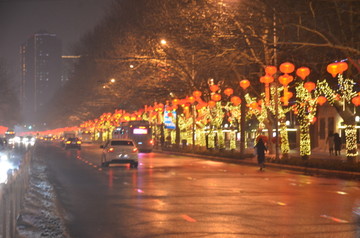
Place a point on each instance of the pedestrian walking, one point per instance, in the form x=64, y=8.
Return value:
x=330, y=143
x=260, y=151
x=337, y=143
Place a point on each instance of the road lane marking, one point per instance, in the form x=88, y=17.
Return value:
x=188, y=218
x=334, y=219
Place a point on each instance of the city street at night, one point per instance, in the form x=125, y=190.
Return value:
x=180, y=119
x=180, y=196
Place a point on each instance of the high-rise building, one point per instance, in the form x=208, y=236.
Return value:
x=41, y=69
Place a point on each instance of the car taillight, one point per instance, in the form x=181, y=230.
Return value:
x=134, y=150
x=151, y=142
x=111, y=149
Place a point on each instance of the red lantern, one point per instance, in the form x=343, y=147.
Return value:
x=321, y=100
x=303, y=72
x=175, y=101
x=197, y=94
x=191, y=99
x=228, y=91
x=161, y=106
x=287, y=68
x=309, y=86
x=214, y=88
x=244, y=84
x=356, y=100
x=211, y=103
x=201, y=105
x=342, y=66
x=285, y=79
x=266, y=79
x=235, y=100
x=253, y=105
x=286, y=97
x=216, y=97
x=270, y=70
x=333, y=69
x=289, y=95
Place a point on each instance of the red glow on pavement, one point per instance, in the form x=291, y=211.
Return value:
x=187, y=218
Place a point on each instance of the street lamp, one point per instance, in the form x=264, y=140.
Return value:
x=163, y=42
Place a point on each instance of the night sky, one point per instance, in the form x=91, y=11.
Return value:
x=68, y=19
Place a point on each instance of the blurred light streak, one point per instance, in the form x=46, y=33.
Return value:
x=188, y=218
x=334, y=219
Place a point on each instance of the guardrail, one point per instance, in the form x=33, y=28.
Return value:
x=12, y=195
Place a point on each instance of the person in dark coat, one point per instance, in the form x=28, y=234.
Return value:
x=330, y=142
x=260, y=151
x=337, y=143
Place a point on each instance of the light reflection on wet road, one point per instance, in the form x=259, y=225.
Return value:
x=179, y=196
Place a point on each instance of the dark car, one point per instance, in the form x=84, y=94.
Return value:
x=73, y=143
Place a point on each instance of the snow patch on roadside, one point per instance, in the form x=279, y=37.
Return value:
x=40, y=216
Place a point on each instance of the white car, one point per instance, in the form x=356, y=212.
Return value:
x=119, y=151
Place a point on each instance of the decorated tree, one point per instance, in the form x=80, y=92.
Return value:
x=344, y=99
x=305, y=110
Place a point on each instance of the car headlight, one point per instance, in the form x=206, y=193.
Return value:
x=4, y=157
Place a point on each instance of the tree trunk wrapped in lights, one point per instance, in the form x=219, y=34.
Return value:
x=217, y=117
x=351, y=141
x=232, y=140
x=211, y=139
x=305, y=111
x=234, y=119
x=305, y=145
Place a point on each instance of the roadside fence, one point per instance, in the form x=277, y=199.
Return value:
x=11, y=196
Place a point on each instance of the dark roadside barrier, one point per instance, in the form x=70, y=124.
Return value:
x=11, y=196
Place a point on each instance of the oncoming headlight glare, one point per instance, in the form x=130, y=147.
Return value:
x=4, y=157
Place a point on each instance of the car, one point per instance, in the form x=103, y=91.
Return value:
x=119, y=151
x=73, y=143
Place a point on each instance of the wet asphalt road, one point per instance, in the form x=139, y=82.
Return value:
x=179, y=196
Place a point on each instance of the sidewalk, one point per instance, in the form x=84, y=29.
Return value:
x=316, y=154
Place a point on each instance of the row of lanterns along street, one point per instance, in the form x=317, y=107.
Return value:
x=217, y=116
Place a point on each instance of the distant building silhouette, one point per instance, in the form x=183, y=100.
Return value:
x=41, y=71
x=68, y=62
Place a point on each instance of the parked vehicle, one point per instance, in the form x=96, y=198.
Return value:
x=119, y=151
x=73, y=143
